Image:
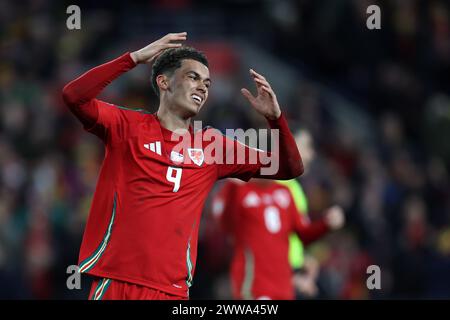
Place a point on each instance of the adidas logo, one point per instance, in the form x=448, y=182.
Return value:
x=154, y=147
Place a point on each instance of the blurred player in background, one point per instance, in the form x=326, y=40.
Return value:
x=262, y=217
x=140, y=240
x=306, y=268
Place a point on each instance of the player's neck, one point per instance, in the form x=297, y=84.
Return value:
x=172, y=121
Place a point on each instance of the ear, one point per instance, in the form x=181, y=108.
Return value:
x=163, y=82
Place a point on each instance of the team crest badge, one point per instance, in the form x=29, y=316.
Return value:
x=196, y=156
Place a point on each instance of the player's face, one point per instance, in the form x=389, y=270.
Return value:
x=306, y=147
x=189, y=87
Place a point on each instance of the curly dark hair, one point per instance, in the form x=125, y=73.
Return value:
x=170, y=60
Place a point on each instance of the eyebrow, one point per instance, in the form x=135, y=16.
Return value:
x=198, y=75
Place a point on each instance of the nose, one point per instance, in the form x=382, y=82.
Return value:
x=201, y=88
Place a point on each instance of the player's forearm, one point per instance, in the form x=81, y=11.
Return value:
x=313, y=231
x=90, y=84
x=79, y=94
x=287, y=154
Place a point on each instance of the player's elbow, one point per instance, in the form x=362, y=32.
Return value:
x=70, y=96
x=298, y=170
x=291, y=172
x=295, y=167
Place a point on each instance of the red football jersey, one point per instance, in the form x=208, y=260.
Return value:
x=144, y=203
x=260, y=217
x=144, y=219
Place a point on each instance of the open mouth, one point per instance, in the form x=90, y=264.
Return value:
x=198, y=99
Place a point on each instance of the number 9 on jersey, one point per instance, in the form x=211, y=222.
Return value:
x=175, y=179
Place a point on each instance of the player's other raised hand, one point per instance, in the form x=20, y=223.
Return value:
x=149, y=53
x=335, y=217
x=265, y=102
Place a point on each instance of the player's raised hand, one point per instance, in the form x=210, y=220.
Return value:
x=149, y=53
x=335, y=217
x=265, y=102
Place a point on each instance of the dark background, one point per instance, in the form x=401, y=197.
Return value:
x=376, y=101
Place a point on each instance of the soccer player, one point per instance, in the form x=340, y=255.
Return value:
x=140, y=240
x=260, y=216
x=306, y=268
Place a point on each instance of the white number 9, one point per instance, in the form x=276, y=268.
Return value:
x=174, y=179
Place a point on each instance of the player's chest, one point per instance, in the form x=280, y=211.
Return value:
x=176, y=164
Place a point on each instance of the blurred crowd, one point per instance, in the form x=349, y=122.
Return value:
x=393, y=184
